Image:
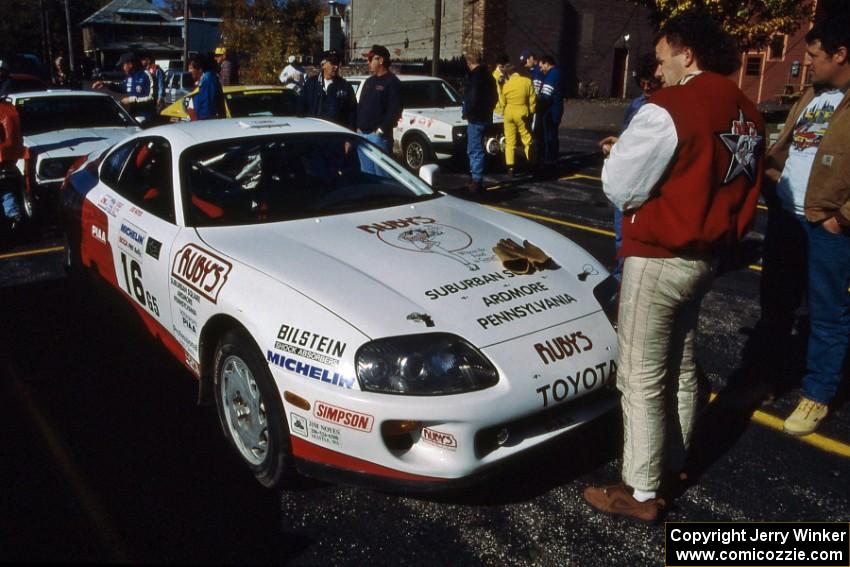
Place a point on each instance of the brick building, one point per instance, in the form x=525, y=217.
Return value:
x=595, y=41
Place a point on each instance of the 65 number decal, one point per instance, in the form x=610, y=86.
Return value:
x=133, y=282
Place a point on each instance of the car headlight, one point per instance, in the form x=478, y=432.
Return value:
x=55, y=168
x=433, y=364
x=607, y=294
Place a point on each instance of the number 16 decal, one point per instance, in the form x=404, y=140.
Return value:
x=138, y=288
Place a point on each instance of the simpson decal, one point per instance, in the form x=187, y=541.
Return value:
x=344, y=417
x=201, y=270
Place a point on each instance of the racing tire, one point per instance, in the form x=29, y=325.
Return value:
x=250, y=410
x=416, y=152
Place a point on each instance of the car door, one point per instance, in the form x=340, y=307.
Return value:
x=139, y=182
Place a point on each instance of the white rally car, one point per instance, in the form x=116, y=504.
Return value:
x=344, y=315
x=59, y=127
x=432, y=124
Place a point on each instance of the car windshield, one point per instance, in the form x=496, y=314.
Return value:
x=261, y=103
x=428, y=94
x=285, y=177
x=44, y=114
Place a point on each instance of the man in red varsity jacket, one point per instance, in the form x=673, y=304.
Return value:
x=686, y=173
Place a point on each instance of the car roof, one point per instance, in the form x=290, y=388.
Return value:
x=402, y=78
x=54, y=93
x=187, y=134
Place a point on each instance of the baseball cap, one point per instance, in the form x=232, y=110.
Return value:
x=128, y=57
x=526, y=53
x=380, y=51
x=331, y=57
x=220, y=51
x=291, y=59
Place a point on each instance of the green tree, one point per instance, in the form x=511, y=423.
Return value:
x=257, y=34
x=751, y=22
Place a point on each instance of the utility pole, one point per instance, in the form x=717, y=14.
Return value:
x=72, y=65
x=185, y=35
x=438, y=15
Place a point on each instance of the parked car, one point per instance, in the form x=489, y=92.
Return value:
x=345, y=317
x=432, y=124
x=58, y=128
x=177, y=85
x=243, y=101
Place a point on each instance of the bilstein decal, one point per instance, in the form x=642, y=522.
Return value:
x=310, y=345
x=201, y=270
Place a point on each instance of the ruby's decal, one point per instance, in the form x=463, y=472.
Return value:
x=344, y=417
x=201, y=270
x=431, y=237
x=440, y=439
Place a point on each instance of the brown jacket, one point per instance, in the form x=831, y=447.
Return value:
x=828, y=191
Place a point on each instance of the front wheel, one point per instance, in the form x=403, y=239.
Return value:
x=416, y=151
x=249, y=408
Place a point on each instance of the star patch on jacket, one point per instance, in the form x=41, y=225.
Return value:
x=743, y=141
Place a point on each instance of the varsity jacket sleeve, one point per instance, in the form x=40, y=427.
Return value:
x=640, y=158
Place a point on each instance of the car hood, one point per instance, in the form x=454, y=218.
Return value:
x=421, y=268
x=451, y=115
x=75, y=141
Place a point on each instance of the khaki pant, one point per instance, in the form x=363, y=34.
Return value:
x=656, y=370
x=515, y=117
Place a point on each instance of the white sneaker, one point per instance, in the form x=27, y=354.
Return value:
x=806, y=418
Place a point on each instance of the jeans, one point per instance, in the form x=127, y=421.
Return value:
x=366, y=164
x=829, y=309
x=802, y=258
x=9, y=184
x=656, y=369
x=475, y=149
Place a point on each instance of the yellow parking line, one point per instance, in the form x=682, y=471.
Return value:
x=580, y=176
x=815, y=439
x=553, y=220
x=32, y=252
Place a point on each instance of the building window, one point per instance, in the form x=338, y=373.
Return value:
x=776, y=49
x=753, y=65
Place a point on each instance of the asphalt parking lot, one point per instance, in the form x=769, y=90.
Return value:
x=106, y=457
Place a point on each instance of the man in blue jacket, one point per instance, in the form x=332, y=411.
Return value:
x=209, y=101
x=380, y=103
x=329, y=96
x=138, y=86
x=479, y=98
x=550, y=105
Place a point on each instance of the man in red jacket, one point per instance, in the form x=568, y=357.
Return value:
x=686, y=174
x=11, y=150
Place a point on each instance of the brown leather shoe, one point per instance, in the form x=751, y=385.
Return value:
x=617, y=500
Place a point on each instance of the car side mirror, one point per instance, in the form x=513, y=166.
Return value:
x=429, y=172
